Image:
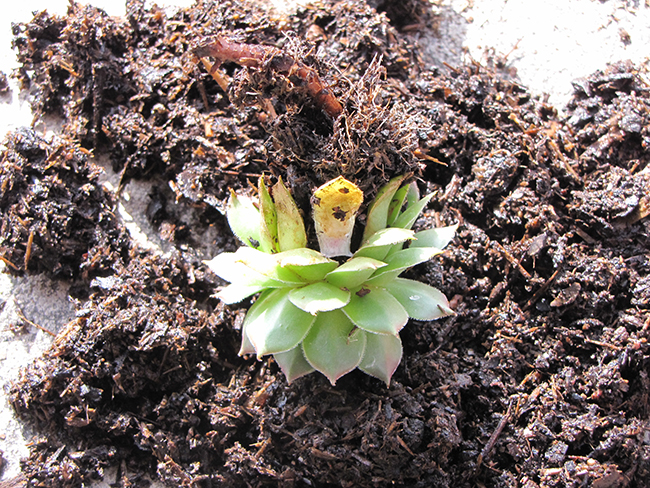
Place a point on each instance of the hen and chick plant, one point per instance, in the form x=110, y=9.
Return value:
x=315, y=313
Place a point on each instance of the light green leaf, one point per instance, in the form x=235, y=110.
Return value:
x=393, y=249
x=400, y=261
x=268, y=265
x=396, y=204
x=333, y=346
x=291, y=228
x=377, y=218
x=382, y=356
x=410, y=215
x=309, y=264
x=269, y=221
x=293, y=363
x=274, y=324
x=319, y=297
x=244, y=219
x=236, y=293
x=413, y=194
x=354, y=272
x=391, y=235
x=375, y=310
x=421, y=301
x=246, y=345
x=302, y=257
x=439, y=237
x=228, y=267
x=378, y=244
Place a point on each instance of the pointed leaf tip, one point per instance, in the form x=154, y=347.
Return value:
x=421, y=301
x=244, y=220
x=399, y=261
x=438, y=237
x=379, y=244
x=396, y=204
x=333, y=346
x=269, y=220
x=411, y=214
x=382, y=356
x=236, y=293
x=291, y=228
x=293, y=364
x=378, y=209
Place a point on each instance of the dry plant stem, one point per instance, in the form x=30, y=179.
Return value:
x=221, y=81
x=22, y=317
x=9, y=263
x=28, y=250
x=505, y=420
x=256, y=56
x=541, y=290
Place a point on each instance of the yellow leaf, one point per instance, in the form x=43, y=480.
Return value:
x=335, y=206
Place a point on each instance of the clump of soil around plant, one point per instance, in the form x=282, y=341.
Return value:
x=540, y=379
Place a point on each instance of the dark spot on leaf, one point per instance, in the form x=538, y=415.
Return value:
x=339, y=214
x=254, y=242
x=363, y=292
x=344, y=190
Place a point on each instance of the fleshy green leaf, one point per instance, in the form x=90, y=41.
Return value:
x=309, y=264
x=268, y=265
x=293, y=363
x=333, y=346
x=269, y=221
x=410, y=215
x=413, y=194
x=439, y=237
x=396, y=204
x=335, y=206
x=246, y=346
x=378, y=244
x=274, y=324
x=319, y=297
x=228, y=267
x=291, y=228
x=382, y=356
x=378, y=209
x=236, y=293
x=400, y=261
x=244, y=219
x=421, y=301
x=354, y=272
x=375, y=310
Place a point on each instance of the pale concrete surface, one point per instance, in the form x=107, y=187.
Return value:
x=548, y=43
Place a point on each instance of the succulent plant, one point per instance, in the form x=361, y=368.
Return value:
x=318, y=313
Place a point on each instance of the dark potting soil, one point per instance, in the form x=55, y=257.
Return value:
x=540, y=379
